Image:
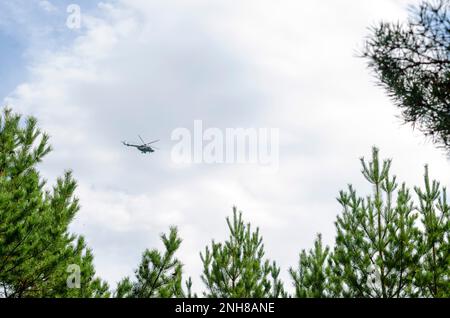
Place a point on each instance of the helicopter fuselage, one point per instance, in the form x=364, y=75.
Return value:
x=145, y=149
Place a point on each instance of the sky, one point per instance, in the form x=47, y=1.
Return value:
x=148, y=67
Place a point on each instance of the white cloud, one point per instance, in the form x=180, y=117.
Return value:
x=147, y=67
x=47, y=6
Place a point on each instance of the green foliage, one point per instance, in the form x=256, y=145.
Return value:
x=90, y=287
x=412, y=63
x=236, y=268
x=387, y=244
x=375, y=252
x=311, y=279
x=433, y=275
x=35, y=245
x=159, y=275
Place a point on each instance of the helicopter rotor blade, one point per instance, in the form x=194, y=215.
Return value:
x=152, y=142
x=142, y=140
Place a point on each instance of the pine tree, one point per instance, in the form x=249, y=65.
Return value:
x=35, y=245
x=433, y=276
x=311, y=279
x=236, y=268
x=90, y=287
x=376, y=244
x=159, y=275
x=412, y=62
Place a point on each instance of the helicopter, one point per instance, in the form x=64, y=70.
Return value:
x=145, y=147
